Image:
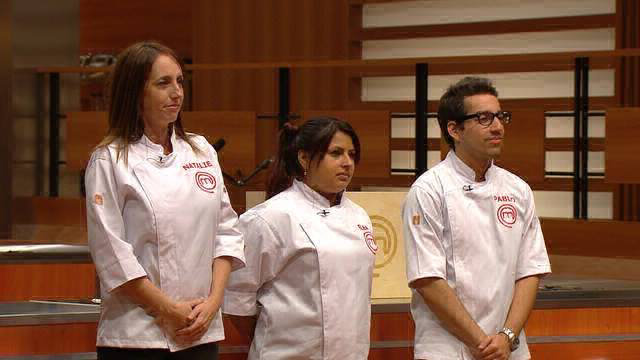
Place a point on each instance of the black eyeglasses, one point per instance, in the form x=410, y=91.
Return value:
x=485, y=118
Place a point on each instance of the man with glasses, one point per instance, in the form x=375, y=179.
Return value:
x=473, y=243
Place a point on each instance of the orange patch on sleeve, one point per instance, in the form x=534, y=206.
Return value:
x=416, y=219
x=97, y=199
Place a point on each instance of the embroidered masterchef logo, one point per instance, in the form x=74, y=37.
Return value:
x=368, y=238
x=507, y=215
x=205, y=181
x=197, y=165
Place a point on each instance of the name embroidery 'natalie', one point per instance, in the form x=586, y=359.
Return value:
x=197, y=165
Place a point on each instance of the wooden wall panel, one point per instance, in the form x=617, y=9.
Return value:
x=622, y=127
x=6, y=122
x=237, y=128
x=85, y=129
x=20, y=282
x=586, y=351
x=398, y=326
x=108, y=27
x=271, y=30
x=391, y=326
x=598, y=238
x=374, y=132
x=523, y=152
x=583, y=321
x=391, y=353
x=50, y=211
x=48, y=339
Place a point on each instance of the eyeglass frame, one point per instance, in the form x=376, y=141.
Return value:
x=506, y=117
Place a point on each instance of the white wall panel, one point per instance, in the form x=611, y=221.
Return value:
x=463, y=11
x=514, y=43
x=554, y=203
x=406, y=128
x=563, y=161
x=406, y=159
x=562, y=127
x=560, y=204
x=548, y=84
x=600, y=205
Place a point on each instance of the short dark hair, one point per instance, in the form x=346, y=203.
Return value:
x=312, y=137
x=451, y=107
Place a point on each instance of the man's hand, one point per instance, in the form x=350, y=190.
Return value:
x=202, y=314
x=494, y=347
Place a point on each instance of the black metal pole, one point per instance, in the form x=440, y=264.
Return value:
x=284, y=96
x=421, y=118
x=585, y=137
x=577, y=101
x=54, y=133
x=40, y=135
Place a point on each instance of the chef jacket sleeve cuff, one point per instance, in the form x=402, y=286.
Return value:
x=237, y=258
x=424, y=275
x=239, y=303
x=120, y=272
x=534, y=269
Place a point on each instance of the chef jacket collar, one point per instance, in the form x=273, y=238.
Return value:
x=157, y=149
x=313, y=196
x=465, y=171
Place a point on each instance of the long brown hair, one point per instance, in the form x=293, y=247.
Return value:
x=126, y=90
x=312, y=137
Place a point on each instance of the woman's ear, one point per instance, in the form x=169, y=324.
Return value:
x=303, y=160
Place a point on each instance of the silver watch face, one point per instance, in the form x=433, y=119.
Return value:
x=515, y=344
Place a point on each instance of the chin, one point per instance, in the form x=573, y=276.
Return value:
x=494, y=153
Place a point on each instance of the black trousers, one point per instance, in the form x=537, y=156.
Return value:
x=201, y=352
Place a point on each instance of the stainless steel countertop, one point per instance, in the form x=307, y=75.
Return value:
x=59, y=253
x=557, y=292
x=47, y=312
x=554, y=293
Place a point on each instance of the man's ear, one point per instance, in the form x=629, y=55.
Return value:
x=303, y=159
x=455, y=130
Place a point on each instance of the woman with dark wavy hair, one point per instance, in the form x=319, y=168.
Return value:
x=310, y=252
x=162, y=233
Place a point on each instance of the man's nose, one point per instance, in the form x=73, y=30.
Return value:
x=496, y=125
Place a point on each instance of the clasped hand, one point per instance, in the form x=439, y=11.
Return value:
x=494, y=347
x=190, y=319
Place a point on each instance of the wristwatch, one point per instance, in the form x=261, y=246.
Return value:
x=514, y=341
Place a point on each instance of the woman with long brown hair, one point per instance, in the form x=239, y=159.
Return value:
x=162, y=233
x=310, y=252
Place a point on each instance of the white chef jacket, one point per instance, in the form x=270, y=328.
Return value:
x=310, y=267
x=479, y=236
x=161, y=216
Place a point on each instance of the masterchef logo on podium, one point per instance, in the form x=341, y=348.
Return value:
x=386, y=241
